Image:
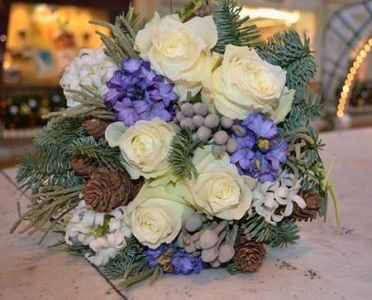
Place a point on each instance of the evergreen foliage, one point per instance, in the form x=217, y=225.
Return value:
x=256, y=227
x=281, y=234
x=90, y=104
x=100, y=151
x=287, y=50
x=48, y=164
x=231, y=28
x=306, y=107
x=285, y=234
x=120, y=45
x=132, y=255
x=182, y=152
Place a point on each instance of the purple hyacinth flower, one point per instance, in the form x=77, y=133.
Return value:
x=278, y=154
x=186, y=263
x=263, y=128
x=261, y=152
x=152, y=255
x=136, y=92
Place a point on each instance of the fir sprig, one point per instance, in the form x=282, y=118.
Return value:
x=287, y=50
x=231, y=28
x=132, y=254
x=90, y=104
x=281, y=234
x=256, y=227
x=120, y=45
x=48, y=163
x=182, y=152
x=99, y=150
x=285, y=234
x=49, y=205
x=306, y=108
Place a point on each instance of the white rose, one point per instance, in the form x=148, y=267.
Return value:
x=180, y=51
x=219, y=190
x=245, y=83
x=91, y=69
x=144, y=146
x=155, y=216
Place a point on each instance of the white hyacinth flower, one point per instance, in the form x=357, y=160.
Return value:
x=91, y=69
x=82, y=230
x=268, y=196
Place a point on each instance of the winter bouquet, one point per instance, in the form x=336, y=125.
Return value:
x=186, y=144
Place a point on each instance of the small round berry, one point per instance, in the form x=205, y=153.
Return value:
x=218, y=150
x=239, y=130
x=226, y=123
x=187, y=109
x=200, y=109
x=212, y=121
x=231, y=146
x=220, y=137
x=186, y=123
x=203, y=133
x=198, y=121
x=180, y=116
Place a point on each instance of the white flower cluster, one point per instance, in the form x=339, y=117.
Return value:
x=268, y=196
x=91, y=69
x=82, y=229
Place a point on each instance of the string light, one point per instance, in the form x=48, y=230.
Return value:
x=342, y=102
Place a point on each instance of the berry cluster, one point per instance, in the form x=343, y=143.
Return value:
x=209, y=126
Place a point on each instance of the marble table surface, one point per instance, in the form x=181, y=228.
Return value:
x=329, y=262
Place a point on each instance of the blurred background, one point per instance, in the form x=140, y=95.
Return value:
x=38, y=39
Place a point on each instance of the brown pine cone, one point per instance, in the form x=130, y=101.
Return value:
x=95, y=127
x=108, y=188
x=82, y=166
x=310, y=212
x=137, y=185
x=248, y=255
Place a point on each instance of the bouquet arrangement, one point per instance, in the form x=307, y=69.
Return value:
x=186, y=145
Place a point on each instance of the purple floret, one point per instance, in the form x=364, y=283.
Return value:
x=180, y=262
x=136, y=92
x=186, y=263
x=261, y=152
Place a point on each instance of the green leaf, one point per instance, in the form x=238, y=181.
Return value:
x=189, y=8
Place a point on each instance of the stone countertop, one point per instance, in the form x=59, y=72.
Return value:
x=327, y=263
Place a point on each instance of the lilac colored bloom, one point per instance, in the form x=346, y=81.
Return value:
x=260, y=152
x=153, y=255
x=262, y=128
x=136, y=92
x=180, y=262
x=186, y=263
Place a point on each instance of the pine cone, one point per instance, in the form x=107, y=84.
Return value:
x=108, y=188
x=95, y=127
x=82, y=166
x=137, y=185
x=248, y=255
x=310, y=212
